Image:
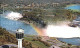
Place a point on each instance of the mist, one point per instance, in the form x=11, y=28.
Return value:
x=13, y=15
x=62, y=30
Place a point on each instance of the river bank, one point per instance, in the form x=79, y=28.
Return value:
x=52, y=41
x=56, y=42
x=73, y=7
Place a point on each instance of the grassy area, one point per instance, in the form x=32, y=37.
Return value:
x=76, y=10
x=36, y=44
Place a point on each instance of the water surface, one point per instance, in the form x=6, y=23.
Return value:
x=14, y=25
x=74, y=7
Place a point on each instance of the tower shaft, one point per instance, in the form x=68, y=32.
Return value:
x=19, y=43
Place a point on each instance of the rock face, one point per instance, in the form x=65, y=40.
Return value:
x=6, y=37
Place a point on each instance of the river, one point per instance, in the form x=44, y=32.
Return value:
x=13, y=25
x=74, y=7
x=74, y=41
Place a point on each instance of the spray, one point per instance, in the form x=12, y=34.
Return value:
x=13, y=15
x=62, y=30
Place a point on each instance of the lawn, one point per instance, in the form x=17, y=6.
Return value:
x=36, y=44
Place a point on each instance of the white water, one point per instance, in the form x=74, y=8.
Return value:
x=13, y=15
x=62, y=31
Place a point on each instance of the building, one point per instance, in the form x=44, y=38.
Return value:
x=55, y=4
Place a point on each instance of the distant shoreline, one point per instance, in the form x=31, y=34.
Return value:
x=72, y=9
x=72, y=5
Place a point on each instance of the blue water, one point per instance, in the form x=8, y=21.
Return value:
x=74, y=7
x=73, y=41
x=14, y=25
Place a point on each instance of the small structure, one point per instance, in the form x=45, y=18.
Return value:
x=19, y=36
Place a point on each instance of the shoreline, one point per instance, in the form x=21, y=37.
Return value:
x=72, y=5
x=74, y=10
